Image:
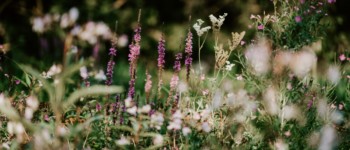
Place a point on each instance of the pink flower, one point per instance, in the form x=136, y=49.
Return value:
x=297, y=19
x=302, y=1
x=331, y=1
x=242, y=42
x=261, y=27
x=342, y=57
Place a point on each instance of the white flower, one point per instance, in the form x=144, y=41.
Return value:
x=84, y=73
x=333, y=74
x=62, y=130
x=328, y=138
x=196, y=116
x=158, y=140
x=15, y=128
x=157, y=120
x=64, y=20
x=175, y=124
x=132, y=110
x=100, y=75
x=123, y=141
x=145, y=109
x=205, y=113
x=303, y=62
x=32, y=102
x=258, y=57
x=217, y=23
x=38, y=25
x=186, y=131
x=206, y=127
x=123, y=40
x=199, y=30
x=28, y=113
x=54, y=69
x=229, y=66
x=73, y=15
x=177, y=115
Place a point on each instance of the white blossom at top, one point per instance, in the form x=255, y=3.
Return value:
x=199, y=30
x=83, y=72
x=217, y=22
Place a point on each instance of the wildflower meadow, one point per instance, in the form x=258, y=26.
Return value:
x=269, y=74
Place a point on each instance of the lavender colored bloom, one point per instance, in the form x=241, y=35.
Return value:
x=137, y=36
x=133, y=55
x=134, y=52
x=298, y=19
x=109, y=74
x=177, y=64
x=188, y=51
x=261, y=27
x=98, y=107
x=112, y=52
x=309, y=104
x=161, y=53
x=131, y=92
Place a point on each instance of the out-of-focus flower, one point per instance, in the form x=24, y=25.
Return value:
x=302, y=63
x=297, y=19
x=342, y=57
x=100, y=75
x=54, y=70
x=328, y=138
x=206, y=127
x=84, y=73
x=157, y=120
x=38, y=25
x=132, y=110
x=145, y=109
x=258, y=57
x=123, y=141
x=148, y=84
x=158, y=140
x=333, y=74
x=186, y=131
x=123, y=40
x=261, y=27
x=32, y=102
x=331, y=1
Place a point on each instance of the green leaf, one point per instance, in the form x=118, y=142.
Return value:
x=93, y=90
x=46, y=85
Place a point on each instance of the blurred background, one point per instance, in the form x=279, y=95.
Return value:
x=42, y=29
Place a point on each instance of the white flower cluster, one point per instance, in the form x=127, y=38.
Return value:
x=42, y=24
x=92, y=31
x=54, y=70
x=200, y=31
x=217, y=22
x=229, y=66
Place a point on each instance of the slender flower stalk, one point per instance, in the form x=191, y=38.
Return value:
x=161, y=62
x=110, y=66
x=175, y=79
x=188, y=51
x=148, y=86
x=133, y=56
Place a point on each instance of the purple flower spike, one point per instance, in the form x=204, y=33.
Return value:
x=161, y=53
x=188, y=51
x=112, y=52
x=177, y=64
